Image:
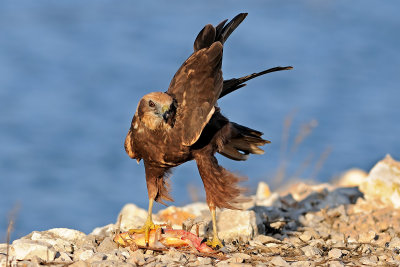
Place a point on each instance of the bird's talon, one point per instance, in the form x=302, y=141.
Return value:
x=146, y=228
x=215, y=243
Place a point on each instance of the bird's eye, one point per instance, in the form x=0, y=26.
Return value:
x=151, y=104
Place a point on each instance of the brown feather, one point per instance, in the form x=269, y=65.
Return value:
x=185, y=123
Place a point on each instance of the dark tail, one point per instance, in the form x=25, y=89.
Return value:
x=236, y=83
x=210, y=34
x=244, y=141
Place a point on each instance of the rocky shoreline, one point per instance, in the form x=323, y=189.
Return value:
x=354, y=222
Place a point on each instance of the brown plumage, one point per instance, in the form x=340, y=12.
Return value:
x=185, y=123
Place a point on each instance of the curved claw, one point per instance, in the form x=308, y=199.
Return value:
x=215, y=243
x=146, y=228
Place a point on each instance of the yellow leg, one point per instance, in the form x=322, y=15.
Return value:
x=215, y=242
x=148, y=225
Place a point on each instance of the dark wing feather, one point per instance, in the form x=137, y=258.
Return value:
x=220, y=33
x=196, y=87
x=236, y=83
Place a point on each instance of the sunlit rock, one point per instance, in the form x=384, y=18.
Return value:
x=352, y=177
x=132, y=217
x=238, y=225
x=383, y=182
x=25, y=249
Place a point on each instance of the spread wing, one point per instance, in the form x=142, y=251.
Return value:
x=196, y=87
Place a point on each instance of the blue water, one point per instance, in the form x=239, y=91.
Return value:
x=72, y=72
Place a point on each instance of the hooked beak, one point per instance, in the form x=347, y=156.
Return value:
x=166, y=113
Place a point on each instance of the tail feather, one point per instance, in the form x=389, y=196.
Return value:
x=236, y=83
x=245, y=141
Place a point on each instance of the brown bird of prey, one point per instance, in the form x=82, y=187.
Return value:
x=185, y=123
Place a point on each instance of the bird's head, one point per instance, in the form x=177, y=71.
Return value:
x=156, y=111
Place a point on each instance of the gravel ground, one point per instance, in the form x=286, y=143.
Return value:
x=307, y=225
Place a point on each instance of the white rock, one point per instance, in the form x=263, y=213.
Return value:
x=335, y=264
x=263, y=191
x=279, y=261
x=107, y=230
x=310, y=251
x=24, y=249
x=238, y=224
x=383, y=182
x=335, y=253
x=394, y=243
x=85, y=254
x=57, y=243
x=79, y=264
x=67, y=234
x=272, y=200
x=132, y=217
x=197, y=208
x=352, y=177
x=306, y=236
x=265, y=239
x=238, y=257
x=302, y=264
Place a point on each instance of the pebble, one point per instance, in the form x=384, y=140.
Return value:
x=238, y=224
x=303, y=264
x=279, y=261
x=85, y=254
x=335, y=253
x=107, y=245
x=335, y=264
x=310, y=251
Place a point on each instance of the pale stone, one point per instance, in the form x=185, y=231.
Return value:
x=265, y=239
x=306, y=236
x=107, y=230
x=383, y=182
x=197, y=208
x=79, y=264
x=107, y=245
x=335, y=264
x=174, y=216
x=272, y=200
x=132, y=217
x=395, y=243
x=67, y=234
x=279, y=261
x=203, y=261
x=137, y=257
x=99, y=256
x=49, y=238
x=370, y=261
x=109, y=263
x=366, y=237
x=302, y=264
x=263, y=191
x=85, y=254
x=310, y=251
x=238, y=224
x=335, y=253
x=238, y=257
x=352, y=177
x=24, y=249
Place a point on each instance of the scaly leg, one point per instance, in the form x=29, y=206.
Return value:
x=215, y=242
x=148, y=225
